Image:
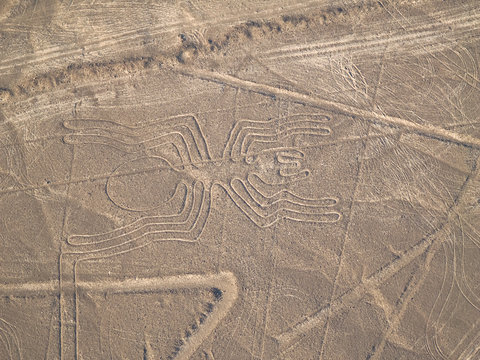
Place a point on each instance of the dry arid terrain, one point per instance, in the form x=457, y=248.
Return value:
x=224, y=179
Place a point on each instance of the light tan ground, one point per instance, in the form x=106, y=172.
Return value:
x=239, y=180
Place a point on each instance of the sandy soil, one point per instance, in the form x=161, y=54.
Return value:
x=252, y=179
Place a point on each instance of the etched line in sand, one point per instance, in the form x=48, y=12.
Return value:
x=222, y=284
x=29, y=289
x=423, y=129
x=183, y=131
x=289, y=337
x=246, y=133
x=186, y=226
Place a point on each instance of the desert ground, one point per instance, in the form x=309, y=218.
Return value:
x=220, y=179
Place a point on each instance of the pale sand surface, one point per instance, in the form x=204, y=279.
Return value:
x=254, y=179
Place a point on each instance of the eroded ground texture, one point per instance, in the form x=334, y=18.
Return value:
x=256, y=179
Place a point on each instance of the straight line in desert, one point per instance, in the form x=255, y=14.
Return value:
x=268, y=90
x=30, y=289
x=190, y=281
x=287, y=338
x=124, y=286
x=290, y=336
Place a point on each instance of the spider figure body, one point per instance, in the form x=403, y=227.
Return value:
x=256, y=181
